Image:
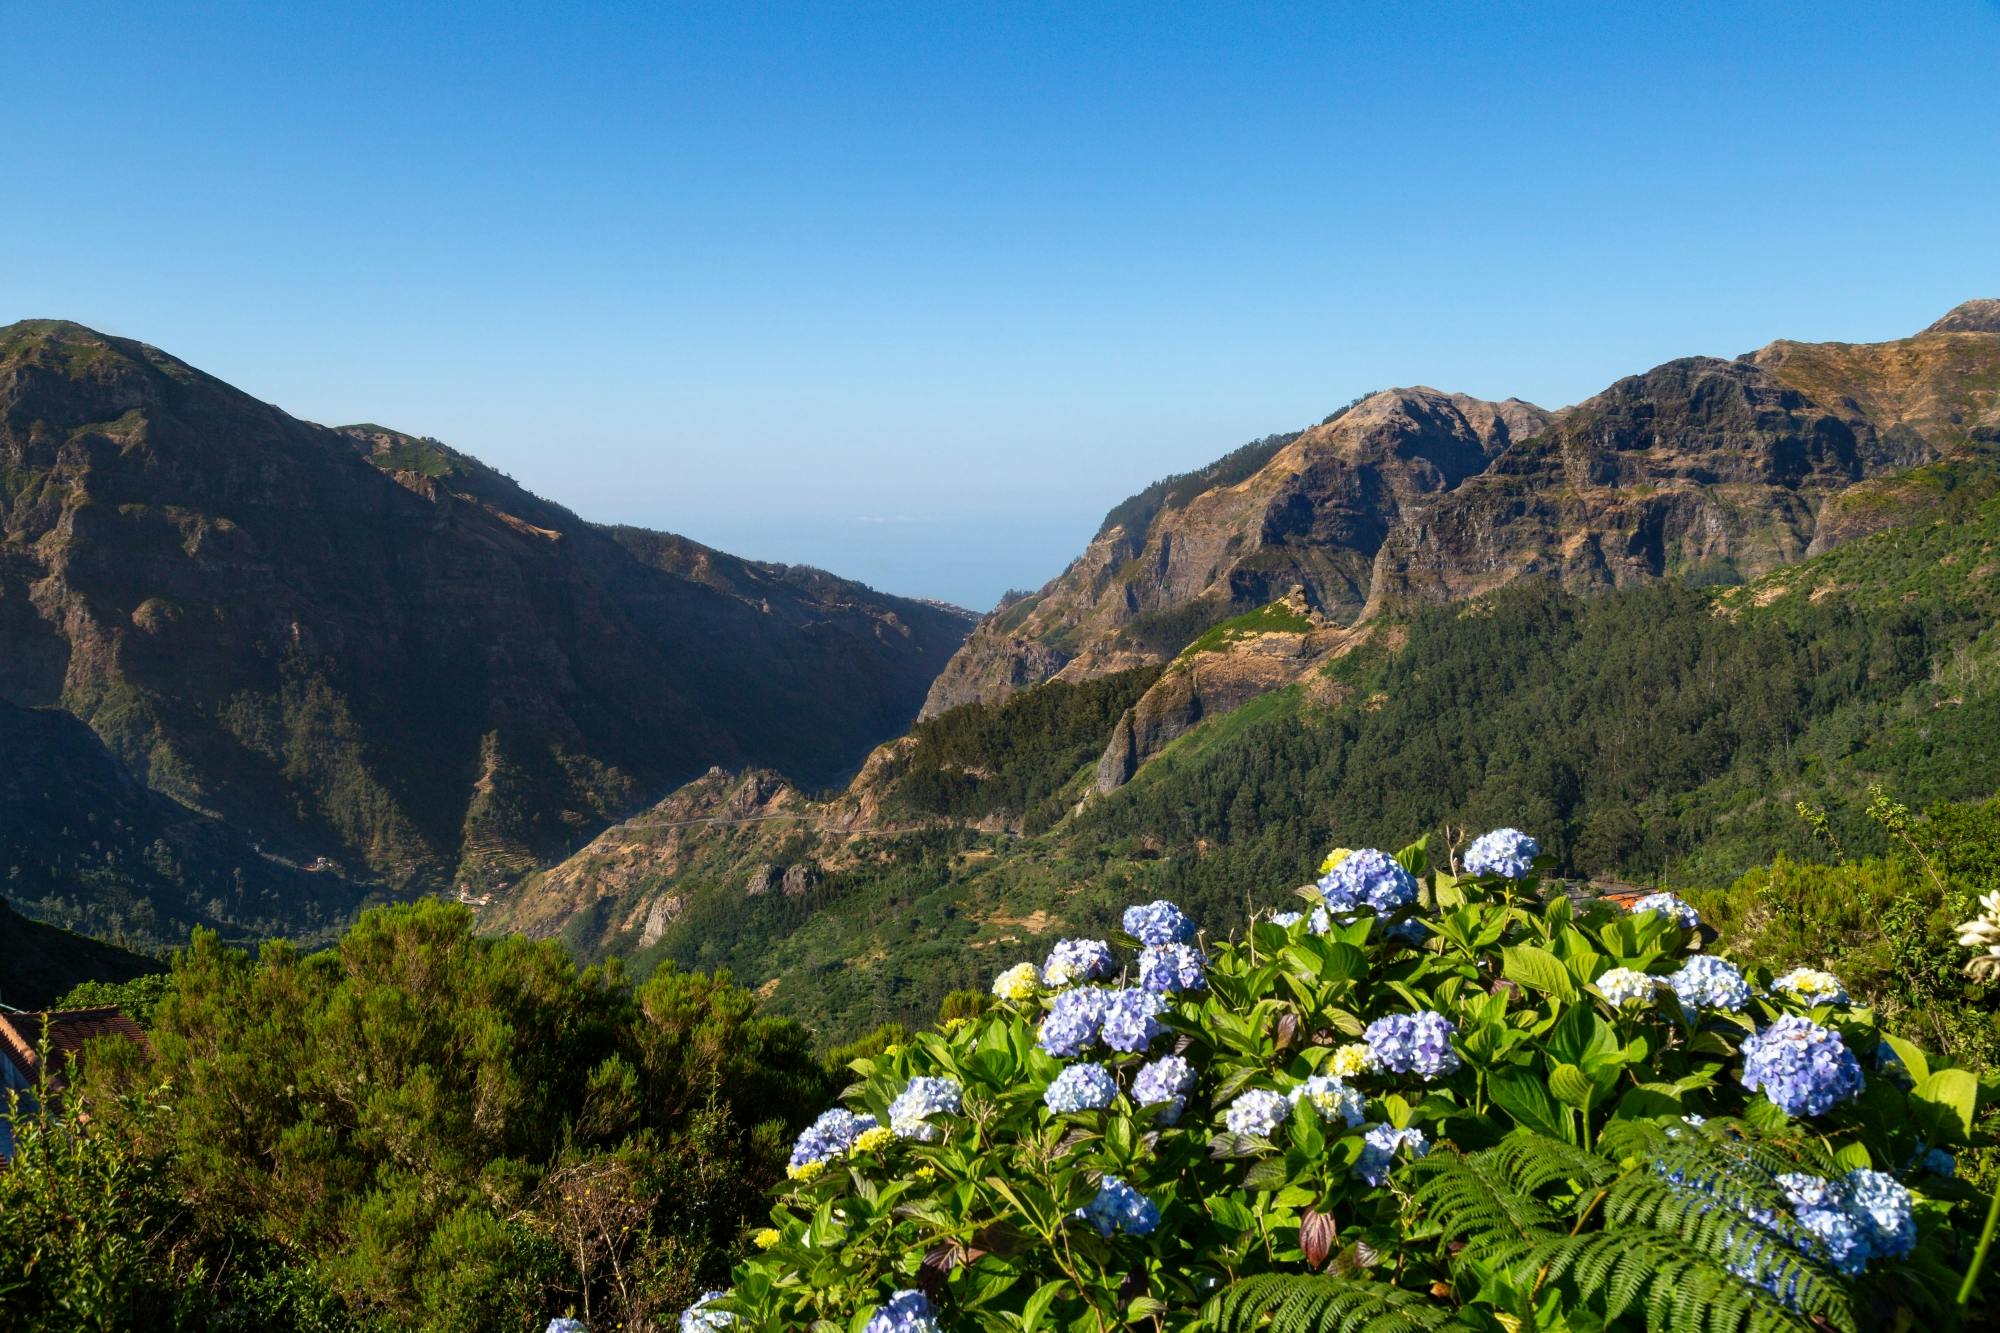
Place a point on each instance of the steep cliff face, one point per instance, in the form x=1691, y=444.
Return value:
x=1700, y=469
x=363, y=644
x=1312, y=517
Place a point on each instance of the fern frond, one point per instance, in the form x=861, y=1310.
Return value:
x=1324, y=1303
x=1471, y=1196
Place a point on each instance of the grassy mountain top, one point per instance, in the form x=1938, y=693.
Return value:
x=41, y=963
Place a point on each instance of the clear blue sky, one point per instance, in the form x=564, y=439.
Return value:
x=917, y=291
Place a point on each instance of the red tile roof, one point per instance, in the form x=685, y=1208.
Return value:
x=68, y=1030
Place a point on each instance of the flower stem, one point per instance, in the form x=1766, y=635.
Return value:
x=1971, y=1283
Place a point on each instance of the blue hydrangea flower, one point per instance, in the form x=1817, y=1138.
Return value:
x=909, y=1114
x=905, y=1312
x=1256, y=1113
x=1172, y=967
x=1670, y=906
x=578, y=1326
x=1119, y=1207
x=1622, y=986
x=1158, y=923
x=1506, y=852
x=1887, y=1210
x=1708, y=982
x=695, y=1319
x=829, y=1137
x=1838, y=1236
x=1378, y=1151
x=1321, y=921
x=1803, y=1068
x=1072, y=961
x=1332, y=1098
x=1131, y=1019
x=1368, y=878
x=1165, y=1082
x=1287, y=919
x=1081, y=1088
x=1811, y=986
x=1072, y=1023
x=1412, y=1044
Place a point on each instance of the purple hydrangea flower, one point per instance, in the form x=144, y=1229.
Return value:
x=1413, y=1044
x=1708, y=982
x=1506, y=852
x=1072, y=961
x=1165, y=1082
x=1368, y=878
x=1172, y=967
x=1158, y=923
x=905, y=1312
x=1256, y=1113
x=1131, y=1019
x=1119, y=1207
x=909, y=1114
x=1081, y=1088
x=1669, y=906
x=1072, y=1023
x=829, y=1137
x=1378, y=1151
x=1803, y=1068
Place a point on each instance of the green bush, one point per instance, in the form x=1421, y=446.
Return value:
x=1591, y=1164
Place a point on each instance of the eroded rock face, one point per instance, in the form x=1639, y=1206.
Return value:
x=363, y=644
x=1701, y=469
x=1312, y=518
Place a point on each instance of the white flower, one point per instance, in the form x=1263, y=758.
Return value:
x=1018, y=982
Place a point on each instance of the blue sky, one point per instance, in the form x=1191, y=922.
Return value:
x=916, y=291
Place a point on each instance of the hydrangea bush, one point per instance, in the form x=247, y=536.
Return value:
x=1317, y=1111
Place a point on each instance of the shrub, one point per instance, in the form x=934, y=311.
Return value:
x=1466, y=1107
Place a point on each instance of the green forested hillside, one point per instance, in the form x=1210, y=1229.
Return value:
x=1658, y=734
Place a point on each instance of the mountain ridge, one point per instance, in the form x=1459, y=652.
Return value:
x=367, y=645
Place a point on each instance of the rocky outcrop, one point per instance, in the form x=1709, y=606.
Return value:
x=1700, y=469
x=1312, y=517
x=1209, y=682
x=366, y=645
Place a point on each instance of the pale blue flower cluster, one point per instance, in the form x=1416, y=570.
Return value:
x=1132, y=1019
x=1368, y=878
x=1622, y=986
x=1332, y=1098
x=695, y=1319
x=1119, y=1207
x=1172, y=967
x=1412, y=1044
x=1165, y=1082
x=1378, y=1151
x=1071, y=1025
x=1506, y=852
x=1803, y=1068
x=1708, y=982
x=578, y=1326
x=1287, y=919
x=1081, y=1088
x=1670, y=906
x=1072, y=961
x=1257, y=1113
x=1809, y=985
x=909, y=1114
x=905, y=1312
x=1158, y=923
x=830, y=1136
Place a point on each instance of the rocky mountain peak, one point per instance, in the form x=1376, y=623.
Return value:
x=1976, y=316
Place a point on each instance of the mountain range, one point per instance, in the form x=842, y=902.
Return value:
x=369, y=653
x=263, y=672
